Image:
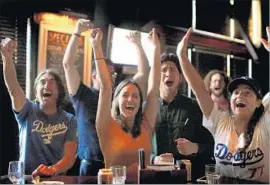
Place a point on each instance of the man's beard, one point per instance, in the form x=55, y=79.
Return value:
x=217, y=94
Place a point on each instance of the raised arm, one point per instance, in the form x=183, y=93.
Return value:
x=141, y=76
x=193, y=77
x=104, y=103
x=15, y=91
x=265, y=43
x=71, y=72
x=152, y=98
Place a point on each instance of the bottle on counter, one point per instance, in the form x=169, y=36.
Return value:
x=141, y=164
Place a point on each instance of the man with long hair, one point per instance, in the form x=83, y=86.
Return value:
x=48, y=135
x=215, y=83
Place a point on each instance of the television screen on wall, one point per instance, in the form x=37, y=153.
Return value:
x=121, y=50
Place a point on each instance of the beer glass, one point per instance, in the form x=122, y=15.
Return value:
x=119, y=174
x=16, y=172
x=212, y=173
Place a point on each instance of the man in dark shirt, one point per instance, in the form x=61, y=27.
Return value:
x=179, y=132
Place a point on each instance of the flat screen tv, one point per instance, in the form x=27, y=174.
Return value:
x=121, y=50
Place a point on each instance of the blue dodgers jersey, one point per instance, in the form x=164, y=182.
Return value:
x=42, y=137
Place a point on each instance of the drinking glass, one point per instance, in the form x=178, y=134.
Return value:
x=16, y=172
x=119, y=174
x=212, y=173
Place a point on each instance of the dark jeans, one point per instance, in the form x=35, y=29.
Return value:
x=91, y=168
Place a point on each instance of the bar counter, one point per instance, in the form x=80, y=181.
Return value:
x=93, y=180
x=65, y=179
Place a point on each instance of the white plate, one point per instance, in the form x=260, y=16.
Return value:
x=51, y=182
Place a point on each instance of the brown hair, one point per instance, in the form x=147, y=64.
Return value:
x=207, y=80
x=165, y=57
x=60, y=86
x=115, y=111
x=248, y=135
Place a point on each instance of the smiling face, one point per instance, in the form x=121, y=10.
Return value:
x=170, y=77
x=217, y=85
x=244, y=101
x=129, y=101
x=47, y=90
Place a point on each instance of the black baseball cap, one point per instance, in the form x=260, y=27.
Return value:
x=246, y=81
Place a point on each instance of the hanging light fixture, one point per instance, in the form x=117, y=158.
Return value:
x=255, y=23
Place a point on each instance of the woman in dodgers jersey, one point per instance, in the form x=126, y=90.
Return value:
x=241, y=135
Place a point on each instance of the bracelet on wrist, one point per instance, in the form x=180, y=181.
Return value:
x=76, y=34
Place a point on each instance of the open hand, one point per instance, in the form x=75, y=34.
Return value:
x=7, y=47
x=265, y=43
x=181, y=50
x=134, y=37
x=186, y=147
x=83, y=25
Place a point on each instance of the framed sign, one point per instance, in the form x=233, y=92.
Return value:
x=54, y=35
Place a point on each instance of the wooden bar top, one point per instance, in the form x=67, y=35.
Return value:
x=93, y=180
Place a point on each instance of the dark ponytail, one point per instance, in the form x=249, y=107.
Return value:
x=248, y=135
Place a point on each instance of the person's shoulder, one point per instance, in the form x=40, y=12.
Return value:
x=94, y=90
x=190, y=104
x=188, y=100
x=85, y=89
x=32, y=104
x=64, y=114
x=90, y=92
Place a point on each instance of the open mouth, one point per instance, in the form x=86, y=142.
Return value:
x=217, y=88
x=240, y=105
x=169, y=83
x=47, y=94
x=130, y=108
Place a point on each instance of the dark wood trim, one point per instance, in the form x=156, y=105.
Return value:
x=173, y=36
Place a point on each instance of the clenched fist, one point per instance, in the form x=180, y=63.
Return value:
x=7, y=47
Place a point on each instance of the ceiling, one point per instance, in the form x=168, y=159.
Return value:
x=211, y=14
